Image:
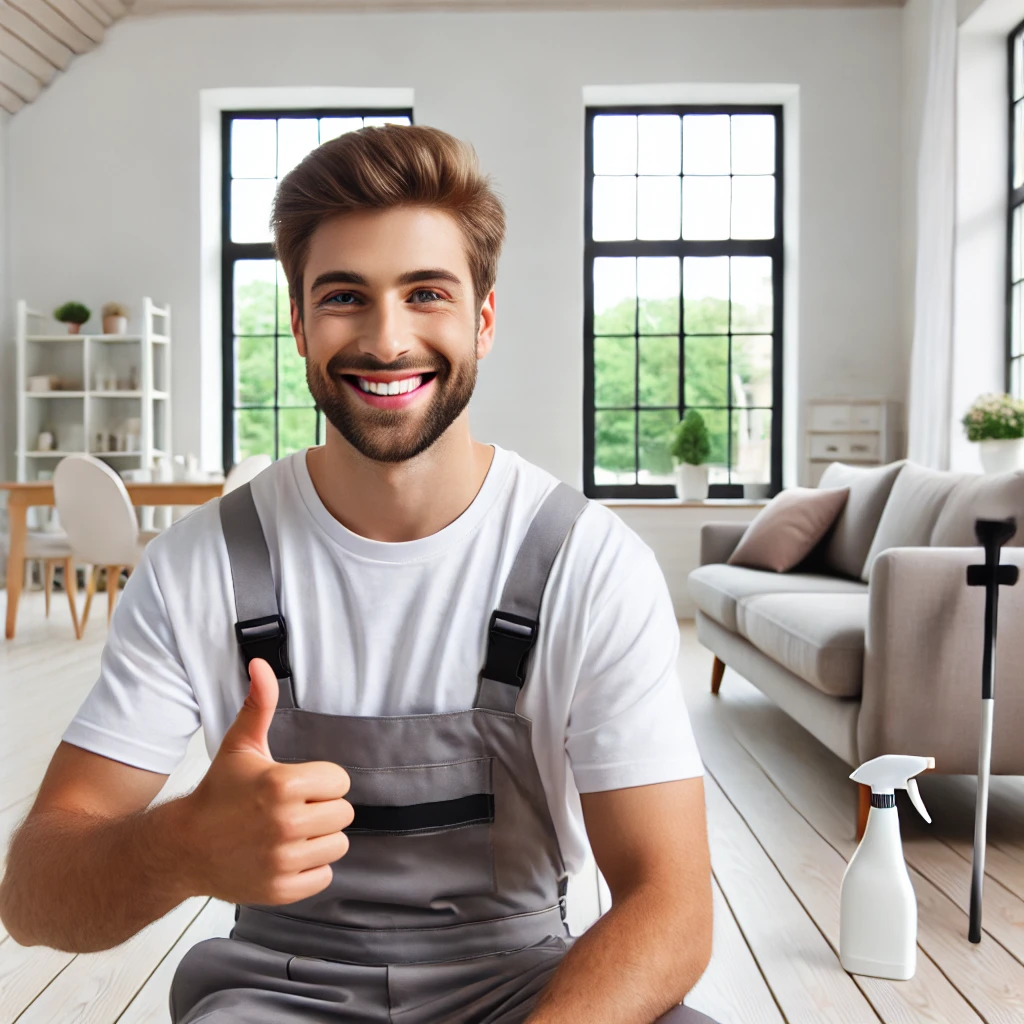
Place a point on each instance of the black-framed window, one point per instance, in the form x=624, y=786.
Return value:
x=683, y=270
x=1015, y=227
x=267, y=407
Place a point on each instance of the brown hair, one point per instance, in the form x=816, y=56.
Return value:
x=379, y=168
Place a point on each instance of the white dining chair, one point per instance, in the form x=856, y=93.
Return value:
x=51, y=548
x=99, y=519
x=242, y=472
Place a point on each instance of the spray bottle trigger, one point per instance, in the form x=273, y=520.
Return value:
x=915, y=798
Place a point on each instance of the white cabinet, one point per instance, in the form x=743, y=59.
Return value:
x=858, y=431
x=105, y=394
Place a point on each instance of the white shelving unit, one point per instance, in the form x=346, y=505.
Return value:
x=859, y=431
x=75, y=416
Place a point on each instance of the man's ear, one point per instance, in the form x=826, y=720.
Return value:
x=297, y=328
x=485, y=332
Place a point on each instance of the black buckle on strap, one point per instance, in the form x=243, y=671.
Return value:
x=509, y=640
x=265, y=638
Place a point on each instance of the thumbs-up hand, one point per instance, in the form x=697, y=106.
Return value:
x=262, y=831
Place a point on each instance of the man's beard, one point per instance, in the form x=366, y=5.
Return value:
x=388, y=435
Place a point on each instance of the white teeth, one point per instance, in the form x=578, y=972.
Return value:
x=395, y=387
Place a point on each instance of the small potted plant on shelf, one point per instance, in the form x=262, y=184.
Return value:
x=115, y=318
x=691, y=446
x=996, y=422
x=74, y=314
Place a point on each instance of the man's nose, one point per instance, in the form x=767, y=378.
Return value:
x=384, y=337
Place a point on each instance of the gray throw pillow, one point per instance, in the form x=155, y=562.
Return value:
x=914, y=504
x=979, y=496
x=846, y=548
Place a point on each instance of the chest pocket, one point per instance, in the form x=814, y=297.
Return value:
x=421, y=835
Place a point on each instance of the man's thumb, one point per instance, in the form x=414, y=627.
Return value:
x=249, y=730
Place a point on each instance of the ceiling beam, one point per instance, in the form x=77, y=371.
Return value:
x=18, y=80
x=58, y=26
x=32, y=35
x=9, y=101
x=11, y=46
x=73, y=12
x=98, y=11
x=115, y=8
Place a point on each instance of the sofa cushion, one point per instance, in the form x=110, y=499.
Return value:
x=818, y=637
x=717, y=588
x=846, y=547
x=914, y=504
x=784, y=532
x=980, y=496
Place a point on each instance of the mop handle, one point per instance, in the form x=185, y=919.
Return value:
x=992, y=534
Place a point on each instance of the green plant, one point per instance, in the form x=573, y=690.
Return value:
x=691, y=442
x=72, y=313
x=994, y=417
x=114, y=309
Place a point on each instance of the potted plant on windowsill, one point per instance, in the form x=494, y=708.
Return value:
x=996, y=422
x=691, y=446
x=74, y=314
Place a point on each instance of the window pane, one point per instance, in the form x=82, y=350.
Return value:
x=705, y=208
x=614, y=209
x=284, y=306
x=386, y=119
x=291, y=375
x=253, y=147
x=1018, y=145
x=752, y=446
x=250, y=210
x=752, y=299
x=1015, y=378
x=296, y=429
x=659, y=371
x=1015, y=325
x=1016, y=266
x=706, y=370
x=659, y=150
x=753, y=144
x=615, y=447
x=614, y=295
x=753, y=207
x=615, y=144
x=254, y=371
x=254, y=297
x=614, y=371
x=1018, y=67
x=706, y=294
x=657, y=208
x=658, y=287
x=706, y=144
x=717, y=422
x=752, y=370
x=254, y=433
x=332, y=127
x=296, y=138
x=655, y=438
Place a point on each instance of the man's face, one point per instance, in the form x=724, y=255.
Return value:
x=389, y=306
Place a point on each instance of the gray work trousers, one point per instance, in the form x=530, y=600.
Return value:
x=231, y=981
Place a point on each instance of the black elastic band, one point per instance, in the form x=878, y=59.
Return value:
x=466, y=810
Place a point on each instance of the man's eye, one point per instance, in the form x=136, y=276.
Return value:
x=429, y=292
x=341, y=295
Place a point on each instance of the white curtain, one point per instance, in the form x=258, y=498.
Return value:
x=930, y=405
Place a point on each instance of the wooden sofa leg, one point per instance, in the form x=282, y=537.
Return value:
x=863, y=807
x=717, y=671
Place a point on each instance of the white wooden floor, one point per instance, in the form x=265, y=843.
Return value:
x=781, y=816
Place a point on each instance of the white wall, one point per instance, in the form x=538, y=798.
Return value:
x=105, y=169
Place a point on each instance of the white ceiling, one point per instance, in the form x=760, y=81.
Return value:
x=38, y=38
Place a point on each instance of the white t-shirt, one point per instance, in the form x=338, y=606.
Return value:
x=377, y=628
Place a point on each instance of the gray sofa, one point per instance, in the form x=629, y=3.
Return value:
x=874, y=643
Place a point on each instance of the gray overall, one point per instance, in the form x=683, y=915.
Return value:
x=450, y=903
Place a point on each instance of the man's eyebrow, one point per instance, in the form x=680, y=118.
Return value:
x=411, y=277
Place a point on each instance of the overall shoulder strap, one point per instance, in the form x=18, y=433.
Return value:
x=260, y=629
x=513, y=627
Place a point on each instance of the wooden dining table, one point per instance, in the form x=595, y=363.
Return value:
x=21, y=496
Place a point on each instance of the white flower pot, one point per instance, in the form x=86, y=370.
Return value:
x=115, y=324
x=691, y=482
x=1001, y=456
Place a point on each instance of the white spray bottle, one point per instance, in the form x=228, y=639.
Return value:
x=878, y=905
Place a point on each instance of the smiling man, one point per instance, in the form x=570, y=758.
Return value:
x=429, y=676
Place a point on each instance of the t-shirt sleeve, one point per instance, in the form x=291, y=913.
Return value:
x=142, y=709
x=628, y=724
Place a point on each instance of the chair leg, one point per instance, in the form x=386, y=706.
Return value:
x=48, y=581
x=113, y=578
x=90, y=589
x=863, y=807
x=71, y=586
x=717, y=671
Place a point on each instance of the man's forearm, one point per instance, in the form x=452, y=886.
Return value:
x=83, y=883
x=631, y=966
